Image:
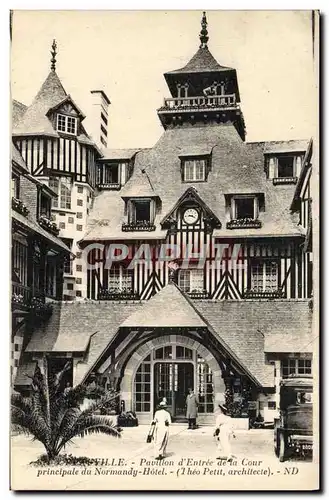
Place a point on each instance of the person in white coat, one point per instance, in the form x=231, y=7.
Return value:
x=162, y=421
x=223, y=433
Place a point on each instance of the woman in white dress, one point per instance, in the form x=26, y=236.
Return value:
x=162, y=421
x=224, y=432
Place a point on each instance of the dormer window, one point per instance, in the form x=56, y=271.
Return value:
x=244, y=207
x=140, y=211
x=108, y=176
x=194, y=169
x=284, y=168
x=67, y=124
x=244, y=211
x=141, y=214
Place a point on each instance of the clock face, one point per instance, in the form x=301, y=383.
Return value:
x=191, y=216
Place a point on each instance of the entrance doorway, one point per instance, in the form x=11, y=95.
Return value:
x=172, y=381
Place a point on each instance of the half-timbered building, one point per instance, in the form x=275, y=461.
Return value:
x=196, y=262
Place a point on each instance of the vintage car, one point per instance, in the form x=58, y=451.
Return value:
x=293, y=430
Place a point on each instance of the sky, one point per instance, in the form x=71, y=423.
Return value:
x=126, y=53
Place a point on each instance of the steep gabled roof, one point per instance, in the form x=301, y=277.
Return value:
x=168, y=308
x=139, y=187
x=18, y=110
x=34, y=120
x=68, y=98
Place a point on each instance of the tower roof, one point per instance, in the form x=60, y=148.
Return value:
x=202, y=68
x=34, y=120
x=202, y=62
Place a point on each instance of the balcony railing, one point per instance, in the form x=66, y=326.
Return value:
x=198, y=295
x=256, y=294
x=48, y=225
x=21, y=295
x=138, y=226
x=24, y=297
x=246, y=223
x=285, y=180
x=106, y=294
x=19, y=206
x=217, y=101
x=109, y=185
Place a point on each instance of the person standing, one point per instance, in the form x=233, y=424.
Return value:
x=161, y=421
x=224, y=432
x=191, y=409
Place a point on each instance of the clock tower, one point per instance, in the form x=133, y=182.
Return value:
x=203, y=92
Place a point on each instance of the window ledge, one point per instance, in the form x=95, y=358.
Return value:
x=284, y=180
x=110, y=295
x=66, y=210
x=114, y=186
x=250, y=294
x=198, y=295
x=244, y=224
x=138, y=227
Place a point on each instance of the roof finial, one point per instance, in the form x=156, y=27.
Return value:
x=53, y=55
x=204, y=32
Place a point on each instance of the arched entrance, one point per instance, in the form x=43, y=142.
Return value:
x=166, y=367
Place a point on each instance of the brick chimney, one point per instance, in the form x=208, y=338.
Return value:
x=98, y=120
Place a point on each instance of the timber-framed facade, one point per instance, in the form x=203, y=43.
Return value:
x=193, y=259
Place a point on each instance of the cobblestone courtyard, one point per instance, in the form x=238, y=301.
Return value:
x=253, y=450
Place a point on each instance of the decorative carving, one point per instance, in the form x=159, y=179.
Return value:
x=53, y=55
x=204, y=32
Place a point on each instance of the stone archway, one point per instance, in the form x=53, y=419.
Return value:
x=135, y=360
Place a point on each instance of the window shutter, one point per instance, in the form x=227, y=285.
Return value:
x=272, y=168
x=298, y=166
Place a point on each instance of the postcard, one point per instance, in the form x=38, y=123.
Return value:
x=165, y=250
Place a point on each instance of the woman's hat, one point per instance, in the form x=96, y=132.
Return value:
x=163, y=404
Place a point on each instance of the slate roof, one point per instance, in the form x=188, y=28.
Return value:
x=249, y=327
x=80, y=327
x=18, y=110
x=17, y=158
x=245, y=329
x=30, y=223
x=119, y=154
x=237, y=168
x=34, y=121
x=202, y=62
x=168, y=308
x=138, y=186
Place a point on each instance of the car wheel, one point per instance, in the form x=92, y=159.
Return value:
x=282, y=447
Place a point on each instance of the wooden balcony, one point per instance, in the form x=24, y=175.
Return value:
x=112, y=294
x=21, y=296
x=246, y=223
x=19, y=206
x=200, y=103
x=284, y=180
x=138, y=226
x=48, y=225
x=25, y=299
